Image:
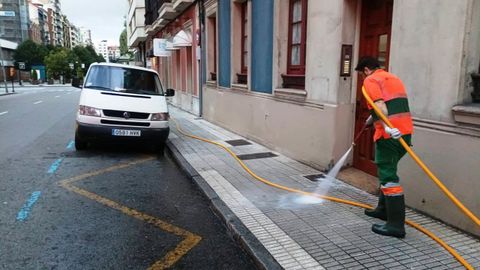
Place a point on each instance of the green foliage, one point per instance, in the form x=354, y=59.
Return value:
x=100, y=58
x=123, y=42
x=57, y=59
x=57, y=63
x=31, y=53
x=85, y=56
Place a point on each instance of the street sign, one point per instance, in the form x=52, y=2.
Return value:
x=5, y=13
x=21, y=65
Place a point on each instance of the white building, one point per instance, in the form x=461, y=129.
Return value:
x=136, y=30
x=85, y=37
x=102, y=48
x=113, y=53
x=75, y=36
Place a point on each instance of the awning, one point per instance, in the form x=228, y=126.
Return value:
x=182, y=39
x=170, y=46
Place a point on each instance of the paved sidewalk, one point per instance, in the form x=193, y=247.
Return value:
x=296, y=235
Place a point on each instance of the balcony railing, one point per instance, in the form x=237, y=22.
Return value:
x=181, y=5
x=167, y=12
x=151, y=10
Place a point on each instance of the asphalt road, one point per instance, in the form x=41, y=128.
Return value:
x=111, y=207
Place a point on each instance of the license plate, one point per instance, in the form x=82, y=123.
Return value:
x=126, y=132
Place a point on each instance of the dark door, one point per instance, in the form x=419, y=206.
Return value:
x=375, y=35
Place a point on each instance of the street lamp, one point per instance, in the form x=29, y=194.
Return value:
x=3, y=69
x=1, y=62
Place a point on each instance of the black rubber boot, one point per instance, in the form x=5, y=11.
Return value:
x=395, y=225
x=379, y=212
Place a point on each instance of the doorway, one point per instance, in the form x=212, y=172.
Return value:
x=375, y=35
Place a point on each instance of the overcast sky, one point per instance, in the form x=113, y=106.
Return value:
x=104, y=17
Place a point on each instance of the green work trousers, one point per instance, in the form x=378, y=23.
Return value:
x=388, y=153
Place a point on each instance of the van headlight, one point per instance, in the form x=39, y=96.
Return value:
x=160, y=117
x=89, y=111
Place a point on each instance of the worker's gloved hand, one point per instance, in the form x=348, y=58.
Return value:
x=369, y=121
x=393, y=132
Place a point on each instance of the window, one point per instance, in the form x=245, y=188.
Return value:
x=240, y=41
x=108, y=78
x=212, y=47
x=297, y=32
x=297, y=37
x=244, y=37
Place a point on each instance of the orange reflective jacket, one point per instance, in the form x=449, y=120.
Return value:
x=381, y=85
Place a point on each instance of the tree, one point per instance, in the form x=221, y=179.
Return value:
x=98, y=57
x=84, y=56
x=57, y=63
x=123, y=43
x=31, y=53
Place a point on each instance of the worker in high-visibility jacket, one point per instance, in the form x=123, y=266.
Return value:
x=388, y=93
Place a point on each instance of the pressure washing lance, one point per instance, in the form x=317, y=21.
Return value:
x=336, y=169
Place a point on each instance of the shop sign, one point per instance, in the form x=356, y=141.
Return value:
x=160, y=47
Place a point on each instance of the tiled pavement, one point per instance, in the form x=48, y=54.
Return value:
x=322, y=235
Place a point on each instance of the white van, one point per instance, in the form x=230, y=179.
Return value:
x=122, y=103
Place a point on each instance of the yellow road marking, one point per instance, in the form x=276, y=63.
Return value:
x=189, y=239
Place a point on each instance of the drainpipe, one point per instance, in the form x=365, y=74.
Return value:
x=202, y=67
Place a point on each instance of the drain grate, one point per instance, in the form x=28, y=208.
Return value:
x=315, y=177
x=238, y=142
x=256, y=156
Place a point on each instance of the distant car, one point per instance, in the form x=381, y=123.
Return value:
x=122, y=103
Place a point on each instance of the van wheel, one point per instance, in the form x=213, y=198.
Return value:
x=80, y=144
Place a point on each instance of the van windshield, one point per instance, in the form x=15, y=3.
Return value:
x=127, y=80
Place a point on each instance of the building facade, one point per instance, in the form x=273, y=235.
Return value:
x=113, y=53
x=66, y=27
x=39, y=23
x=75, y=36
x=8, y=48
x=34, y=31
x=85, y=37
x=14, y=22
x=176, y=23
x=136, y=30
x=55, y=21
x=102, y=48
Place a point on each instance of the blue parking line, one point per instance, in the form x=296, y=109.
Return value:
x=70, y=145
x=27, y=207
x=55, y=165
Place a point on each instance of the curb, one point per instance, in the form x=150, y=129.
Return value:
x=261, y=257
x=7, y=94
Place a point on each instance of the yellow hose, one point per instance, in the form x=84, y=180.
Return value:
x=334, y=199
x=421, y=164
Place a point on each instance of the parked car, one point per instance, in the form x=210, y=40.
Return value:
x=122, y=103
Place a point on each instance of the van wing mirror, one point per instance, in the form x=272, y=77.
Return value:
x=170, y=92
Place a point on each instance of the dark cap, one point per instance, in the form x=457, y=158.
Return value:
x=367, y=61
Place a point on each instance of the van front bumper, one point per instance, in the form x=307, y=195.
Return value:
x=87, y=132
